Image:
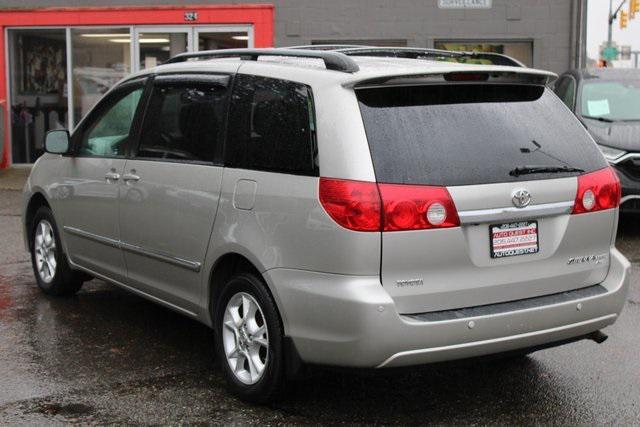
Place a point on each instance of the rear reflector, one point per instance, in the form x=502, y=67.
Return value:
x=367, y=206
x=597, y=191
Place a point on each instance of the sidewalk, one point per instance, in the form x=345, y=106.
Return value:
x=14, y=177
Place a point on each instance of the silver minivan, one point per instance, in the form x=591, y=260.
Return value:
x=324, y=207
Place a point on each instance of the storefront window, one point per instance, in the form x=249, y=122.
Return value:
x=38, y=83
x=100, y=57
x=43, y=98
x=520, y=50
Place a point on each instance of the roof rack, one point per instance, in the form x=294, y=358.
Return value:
x=333, y=59
x=424, y=53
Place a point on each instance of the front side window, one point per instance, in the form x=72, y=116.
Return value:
x=271, y=126
x=107, y=134
x=184, y=122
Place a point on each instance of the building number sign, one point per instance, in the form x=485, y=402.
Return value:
x=191, y=16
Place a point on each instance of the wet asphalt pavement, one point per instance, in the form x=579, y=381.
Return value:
x=106, y=356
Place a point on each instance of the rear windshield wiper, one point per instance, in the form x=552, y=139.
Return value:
x=600, y=119
x=527, y=170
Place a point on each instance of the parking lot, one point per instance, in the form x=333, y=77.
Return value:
x=107, y=356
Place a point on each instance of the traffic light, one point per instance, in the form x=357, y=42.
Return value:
x=624, y=19
x=634, y=7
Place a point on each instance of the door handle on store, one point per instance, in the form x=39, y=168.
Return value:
x=111, y=176
x=130, y=177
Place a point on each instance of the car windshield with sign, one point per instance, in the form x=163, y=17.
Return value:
x=611, y=100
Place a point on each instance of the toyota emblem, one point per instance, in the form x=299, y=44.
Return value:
x=521, y=198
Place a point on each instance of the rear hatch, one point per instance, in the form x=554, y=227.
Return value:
x=510, y=155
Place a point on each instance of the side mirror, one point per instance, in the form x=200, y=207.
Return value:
x=57, y=141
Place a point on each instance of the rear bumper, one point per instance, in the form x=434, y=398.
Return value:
x=352, y=321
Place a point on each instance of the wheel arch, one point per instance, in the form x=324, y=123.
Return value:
x=232, y=263
x=36, y=201
x=224, y=268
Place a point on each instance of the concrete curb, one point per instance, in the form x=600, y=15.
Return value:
x=14, y=178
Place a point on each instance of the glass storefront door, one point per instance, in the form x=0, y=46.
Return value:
x=155, y=45
x=56, y=75
x=211, y=38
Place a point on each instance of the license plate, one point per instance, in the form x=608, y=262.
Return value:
x=514, y=238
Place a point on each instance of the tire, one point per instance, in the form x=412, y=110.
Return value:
x=50, y=267
x=244, y=338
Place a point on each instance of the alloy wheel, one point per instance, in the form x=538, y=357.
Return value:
x=45, y=251
x=245, y=338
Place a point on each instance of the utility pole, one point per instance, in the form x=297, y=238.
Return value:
x=612, y=17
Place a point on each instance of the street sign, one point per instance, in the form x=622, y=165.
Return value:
x=625, y=53
x=464, y=4
x=610, y=53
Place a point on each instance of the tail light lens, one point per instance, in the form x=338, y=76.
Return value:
x=597, y=191
x=352, y=204
x=417, y=207
x=367, y=206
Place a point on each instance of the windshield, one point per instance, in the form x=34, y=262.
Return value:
x=612, y=100
x=470, y=134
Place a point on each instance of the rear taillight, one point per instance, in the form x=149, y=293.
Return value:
x=417, y=207
x=367, y=206
x=352, y=204
x=597, y=191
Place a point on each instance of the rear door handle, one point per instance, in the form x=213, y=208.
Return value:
x=111, y=176
x=130, y=177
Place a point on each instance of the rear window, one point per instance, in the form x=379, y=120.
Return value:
x=472, y=134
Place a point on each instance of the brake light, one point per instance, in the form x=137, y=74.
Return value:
x=417, y=207
x=352, y=204
x=597, y=191
x=466, y=77
x=367, y=206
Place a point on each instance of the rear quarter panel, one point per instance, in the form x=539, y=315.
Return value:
x=286, y=228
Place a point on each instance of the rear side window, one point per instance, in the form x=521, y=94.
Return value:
x=184, y=122
x=271, y=126
x=472, y=134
